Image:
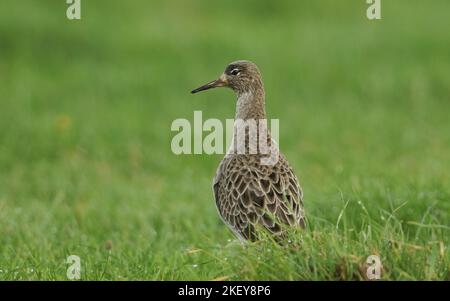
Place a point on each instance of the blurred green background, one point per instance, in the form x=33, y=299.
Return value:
x=86, y=108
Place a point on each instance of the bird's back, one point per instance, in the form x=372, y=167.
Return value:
x=250, y=195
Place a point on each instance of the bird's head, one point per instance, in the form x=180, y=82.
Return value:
x=241, y=76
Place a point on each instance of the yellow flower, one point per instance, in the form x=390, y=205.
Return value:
x=63, y=123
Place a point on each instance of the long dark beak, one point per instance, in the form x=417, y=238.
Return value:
x=221, y=82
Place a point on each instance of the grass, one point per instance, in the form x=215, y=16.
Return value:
x=85, y=160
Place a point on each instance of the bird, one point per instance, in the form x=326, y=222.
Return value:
x=252, y=196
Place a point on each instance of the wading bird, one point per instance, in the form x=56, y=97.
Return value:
x=251, y=194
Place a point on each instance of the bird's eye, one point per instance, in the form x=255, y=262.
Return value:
x=235, y=71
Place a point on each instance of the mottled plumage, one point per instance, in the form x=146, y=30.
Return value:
x=250, y=195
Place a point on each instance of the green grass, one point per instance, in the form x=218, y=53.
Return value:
x=85, y=114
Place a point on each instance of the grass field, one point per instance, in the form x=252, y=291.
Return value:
x=86, y=166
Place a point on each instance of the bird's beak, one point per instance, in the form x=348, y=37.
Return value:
x=220, y=82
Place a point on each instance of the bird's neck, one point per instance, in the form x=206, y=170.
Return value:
x=250, y=120
x=250, y=104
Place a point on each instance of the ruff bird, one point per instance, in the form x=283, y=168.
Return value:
x=252, y=195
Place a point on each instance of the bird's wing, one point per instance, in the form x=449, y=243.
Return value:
x=249, y=194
